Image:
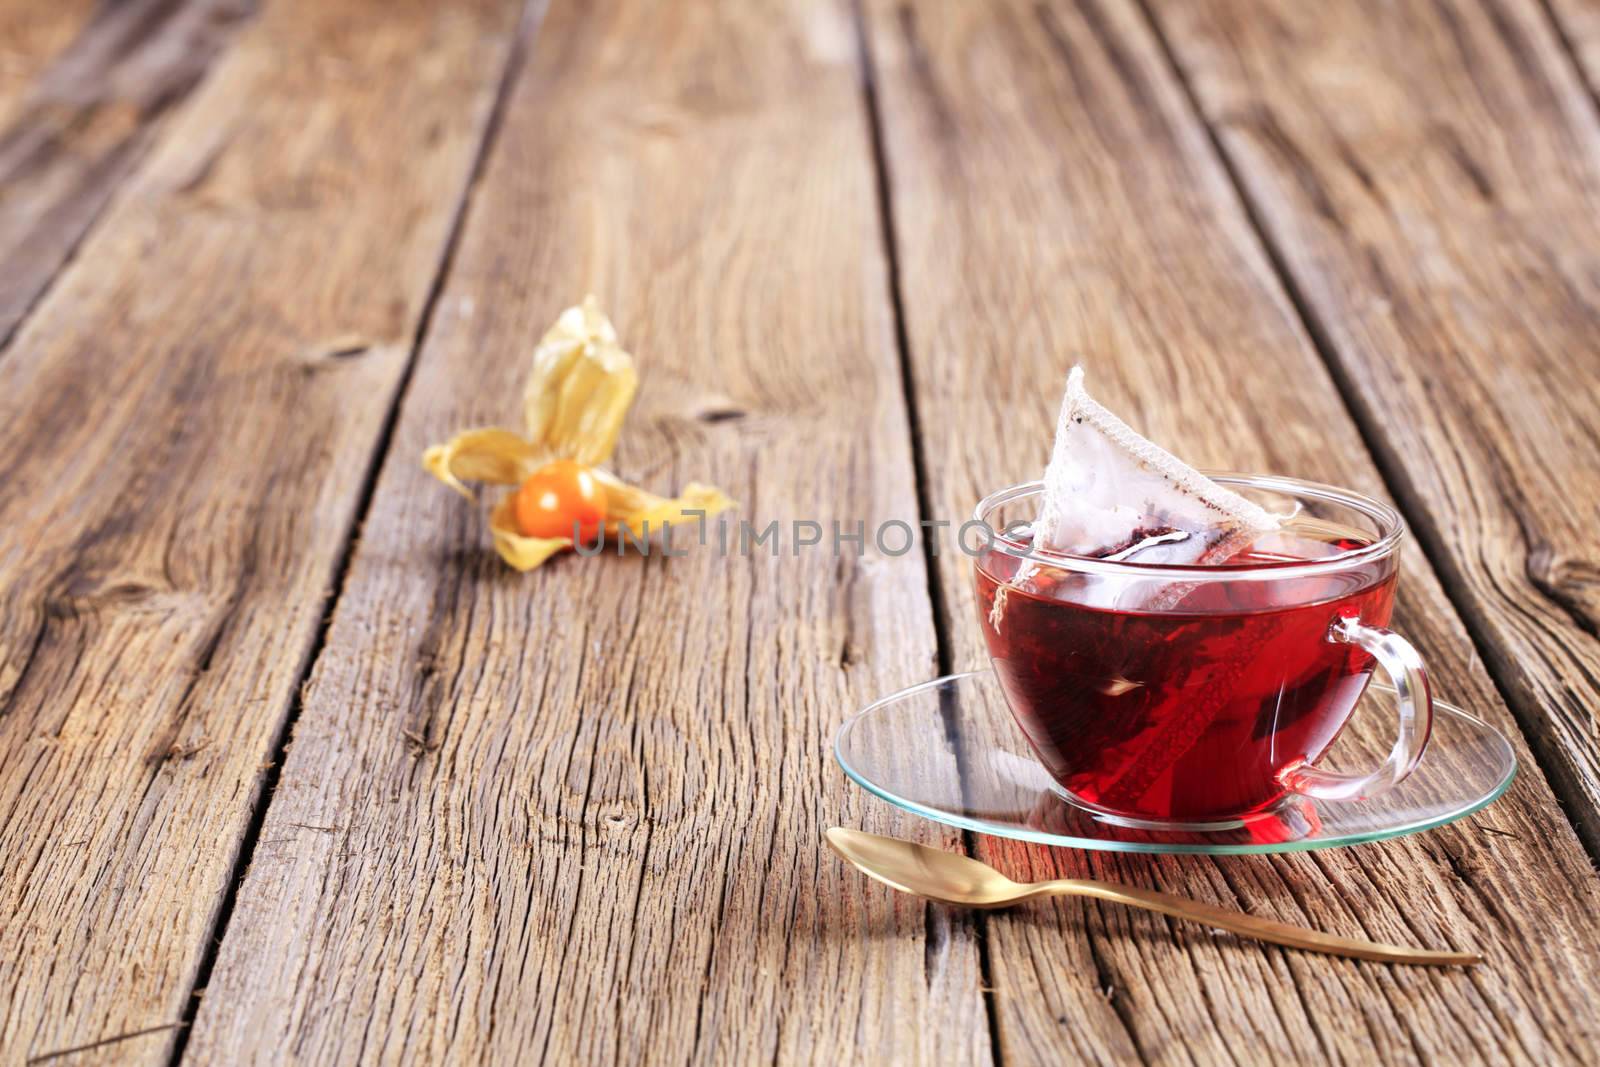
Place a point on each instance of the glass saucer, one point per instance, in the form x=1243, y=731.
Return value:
x=948, y=750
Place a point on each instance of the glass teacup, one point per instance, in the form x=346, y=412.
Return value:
x=1184, y=694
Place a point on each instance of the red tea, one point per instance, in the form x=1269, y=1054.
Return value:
x=1192, y=710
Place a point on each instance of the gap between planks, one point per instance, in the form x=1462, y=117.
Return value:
x=527, y=28
x=936, y=598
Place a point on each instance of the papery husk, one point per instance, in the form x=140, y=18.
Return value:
x=523, y=553
x=579, y=389
x=489, y=455
x=630, y=505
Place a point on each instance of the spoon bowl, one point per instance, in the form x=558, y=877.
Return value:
x=946, y=877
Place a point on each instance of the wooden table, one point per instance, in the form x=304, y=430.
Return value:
x=293, y=769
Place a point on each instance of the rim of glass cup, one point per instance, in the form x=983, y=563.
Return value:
x=1391, y=529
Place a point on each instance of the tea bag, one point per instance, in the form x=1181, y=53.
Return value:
x=1111, y=494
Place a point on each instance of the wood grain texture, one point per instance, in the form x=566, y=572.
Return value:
x=575, y=816
x=1430, y=176
x=78, y=131
x=1578, y=22
x=188, y=419
x=1056, y=200
x=31, y=35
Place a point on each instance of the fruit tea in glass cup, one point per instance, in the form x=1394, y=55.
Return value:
x=1165, y=695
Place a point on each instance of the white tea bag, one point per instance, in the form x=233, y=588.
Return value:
x=1107, y=491
x=1111, y=494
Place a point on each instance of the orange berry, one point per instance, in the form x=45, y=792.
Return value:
x=558, y=498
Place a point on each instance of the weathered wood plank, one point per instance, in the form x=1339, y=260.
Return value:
x=608, y=846
x=1578, y=21
x=1430, y=176
x=70, y=141
x=31, y=35
x=188, y=419
x=1056, y=200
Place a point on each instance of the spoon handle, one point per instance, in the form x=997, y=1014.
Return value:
x=1261, y=929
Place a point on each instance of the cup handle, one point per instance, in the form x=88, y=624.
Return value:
x=1415, y=699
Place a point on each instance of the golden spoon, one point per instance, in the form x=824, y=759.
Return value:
x=952, y=879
